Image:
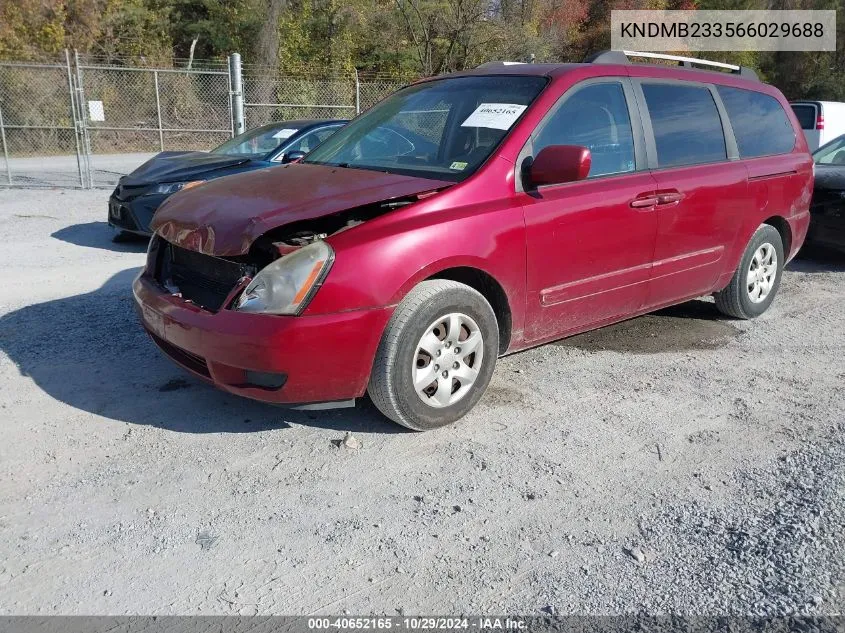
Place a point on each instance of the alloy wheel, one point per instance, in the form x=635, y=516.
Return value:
x=447, y=360
x=762, y=272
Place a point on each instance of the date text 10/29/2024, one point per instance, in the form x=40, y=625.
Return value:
x=386, y=623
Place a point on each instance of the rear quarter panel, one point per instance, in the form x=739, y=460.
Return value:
x=779, y=186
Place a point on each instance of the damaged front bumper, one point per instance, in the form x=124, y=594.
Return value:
x=134, y=215
x=290, y=360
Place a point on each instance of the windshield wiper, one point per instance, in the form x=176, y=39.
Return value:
x=362, y=167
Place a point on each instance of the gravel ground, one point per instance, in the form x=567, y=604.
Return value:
x=679, y=462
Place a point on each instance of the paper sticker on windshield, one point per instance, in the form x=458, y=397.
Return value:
x=284, y=133
x=458, y=165
x=499, y=116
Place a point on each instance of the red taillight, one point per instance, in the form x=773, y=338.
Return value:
x=820, y=122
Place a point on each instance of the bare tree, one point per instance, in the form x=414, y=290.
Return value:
x=267, y=43
x=266, y=53
x=422, y=31
x=443, y=32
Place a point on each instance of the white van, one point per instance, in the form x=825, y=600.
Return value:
x=822, y=121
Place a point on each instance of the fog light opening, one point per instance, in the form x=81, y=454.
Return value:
x=265, y=380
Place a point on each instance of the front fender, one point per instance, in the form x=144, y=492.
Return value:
x=441, y=265
x=379, y=262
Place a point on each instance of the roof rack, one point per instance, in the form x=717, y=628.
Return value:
x=500, y=63
x=621, y=57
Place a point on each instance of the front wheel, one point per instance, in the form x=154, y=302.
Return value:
x=436, y=356
x=757, y=279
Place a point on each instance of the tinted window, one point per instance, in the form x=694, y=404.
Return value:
x=595, y=117
x=806, y=115
x=759, y=123
x=311, y=140
x=326, y=132
x=258, y=141
x=686, y=123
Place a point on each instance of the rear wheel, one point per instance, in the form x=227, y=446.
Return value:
x=757, y=279
x=436, y=356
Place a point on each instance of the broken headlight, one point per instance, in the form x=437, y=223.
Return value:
x=173, y=187
x=288, y=284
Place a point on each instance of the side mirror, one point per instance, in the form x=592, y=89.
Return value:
x=292, y=157
x=557, y=164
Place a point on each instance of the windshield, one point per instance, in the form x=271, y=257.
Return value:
x=442, y=129
x=258, y=141
x=831, y=154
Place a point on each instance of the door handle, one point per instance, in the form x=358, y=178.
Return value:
x=644, y=202
x=672, y=197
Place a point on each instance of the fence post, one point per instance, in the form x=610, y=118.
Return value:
x=237, y=92
x=5, y=150
x=83, y=121
x=231, y=105
x=357, y=93
x=158, y=113
x=76, y=129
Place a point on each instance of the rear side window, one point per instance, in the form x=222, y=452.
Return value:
x=759, y=123
x=326, y=132
x=686, y=124
x=806, y=115
x=595, y=117
x=306, y=143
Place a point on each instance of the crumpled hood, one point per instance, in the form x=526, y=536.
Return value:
x=224, y=217
x=179, y=166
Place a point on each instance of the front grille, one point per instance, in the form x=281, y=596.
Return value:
x=183, y=357
x=125, y=193
x=202, y=279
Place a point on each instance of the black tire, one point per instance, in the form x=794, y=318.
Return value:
x=126, y=237
x=391, y=382
x=735, y=300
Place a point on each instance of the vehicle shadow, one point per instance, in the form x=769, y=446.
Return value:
x=815, y=259
x=100, y=235
x=691, y=326
x=90, y=352
x=694, y=309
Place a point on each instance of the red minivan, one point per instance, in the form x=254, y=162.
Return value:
x=474, y=215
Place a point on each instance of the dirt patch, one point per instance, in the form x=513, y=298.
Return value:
x=175, y=385
x=692, y=326
x=498, y=395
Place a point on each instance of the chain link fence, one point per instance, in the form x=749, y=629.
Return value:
x=84, y=123
x=37, y=120
x=268, y=98
x=373, y=90
x=133, y=113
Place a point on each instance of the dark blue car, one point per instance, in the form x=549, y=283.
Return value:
x=139, y=194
